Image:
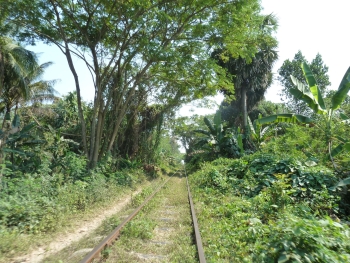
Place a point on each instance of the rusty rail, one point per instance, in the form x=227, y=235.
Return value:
x=200, y=249
x=95, y=253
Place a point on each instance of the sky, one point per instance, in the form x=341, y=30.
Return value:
x=312, y=26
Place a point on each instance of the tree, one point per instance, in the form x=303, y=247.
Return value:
x=292, y=68
x=251, y=78
x=129, y=46
x=19, y=66
x=183, y=129
x=33, y=89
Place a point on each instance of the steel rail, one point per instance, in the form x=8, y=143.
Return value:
x=200, y=249
x=95, y=253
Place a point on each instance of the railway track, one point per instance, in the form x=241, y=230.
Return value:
x=174, y=222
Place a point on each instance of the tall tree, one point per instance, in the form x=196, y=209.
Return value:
x=251, y=77
x=131, y=45
x=292, y=68
x=18, y=65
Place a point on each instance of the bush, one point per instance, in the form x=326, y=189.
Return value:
x=252, y=174
x=263, y=208
x=295, y=239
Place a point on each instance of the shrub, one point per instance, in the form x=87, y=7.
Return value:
x=295, y=239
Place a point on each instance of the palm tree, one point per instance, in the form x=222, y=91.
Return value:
x=15, y=64
x=251, y=79
x=21, y=79
x=39, y=90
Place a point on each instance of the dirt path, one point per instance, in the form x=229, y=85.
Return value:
x=82, y=229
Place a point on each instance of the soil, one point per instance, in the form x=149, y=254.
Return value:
x=81, y=229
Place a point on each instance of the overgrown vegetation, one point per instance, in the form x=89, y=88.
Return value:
x=281, y=178
x=285, y=202
x=271, y=209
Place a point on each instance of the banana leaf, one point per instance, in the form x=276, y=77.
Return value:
x=311, y=81
x=253, y=128
x=203, y=132
x=343, y=182
x=301, y=93
x=16, y=121
x=345, y=119
x=285, y=117
x=217, y=119
x=341, y=147
x=342, y=91
x=28, y=127
x=209, y=125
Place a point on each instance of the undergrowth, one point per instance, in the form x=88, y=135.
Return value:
x=35, y=204
x=271, y=209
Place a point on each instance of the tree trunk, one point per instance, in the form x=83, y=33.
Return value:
x=245, y=116
x=120, y=117
x=68, y=55
x=80, y=109
x=244, y=107
x=2, y=72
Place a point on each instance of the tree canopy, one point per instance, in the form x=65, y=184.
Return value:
x=152, y=50
x=251, y=77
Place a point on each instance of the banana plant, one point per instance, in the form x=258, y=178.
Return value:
x=258, y=132
x=18, y=143
x=311, y=94
x=219, y=140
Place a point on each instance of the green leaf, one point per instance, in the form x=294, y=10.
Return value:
x=251, y=127
x=209, y=125
x=267, y=120
x=341, y=147
x=343, y=182
x=310, y=79
x=283, y=258
x=301, y=92
x=344, y=117
x=8, y=116
x=28, y=127
x=285, y=117
x=347, y=146
x=203, y=132
x=337, y=149
x=217, y=119
x=16, y=121
x=337, y=225
x=342, y=91
x=8, y=150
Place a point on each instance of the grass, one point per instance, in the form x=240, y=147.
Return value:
x=14, y=244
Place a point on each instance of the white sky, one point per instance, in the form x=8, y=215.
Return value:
x=312, y=26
